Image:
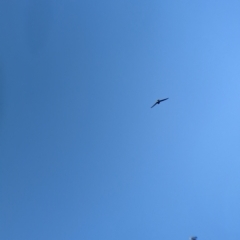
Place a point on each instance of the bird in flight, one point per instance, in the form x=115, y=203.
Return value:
x=157, y=102
x=193, y=238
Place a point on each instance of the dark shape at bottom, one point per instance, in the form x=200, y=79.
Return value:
x=193, y=238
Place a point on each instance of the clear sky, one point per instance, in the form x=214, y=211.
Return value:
x=82, y=154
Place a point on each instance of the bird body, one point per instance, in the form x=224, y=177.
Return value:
x=157, y=102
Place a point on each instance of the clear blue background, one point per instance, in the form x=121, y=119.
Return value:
x=82, y=154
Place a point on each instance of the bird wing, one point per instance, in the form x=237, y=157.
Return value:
x=163, y=99
x=153, y=105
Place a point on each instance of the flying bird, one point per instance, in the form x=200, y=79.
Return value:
x=157, y=102
x=193, y=238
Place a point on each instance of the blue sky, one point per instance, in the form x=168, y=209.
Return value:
x=82, y=154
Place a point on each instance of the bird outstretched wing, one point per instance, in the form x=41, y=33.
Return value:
x=163, y=99
x=154, y=105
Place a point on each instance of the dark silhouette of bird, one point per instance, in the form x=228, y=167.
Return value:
x=193, y=238
x=157, y=102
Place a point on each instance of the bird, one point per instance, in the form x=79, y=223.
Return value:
x=157, y=102
x=193, y=238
